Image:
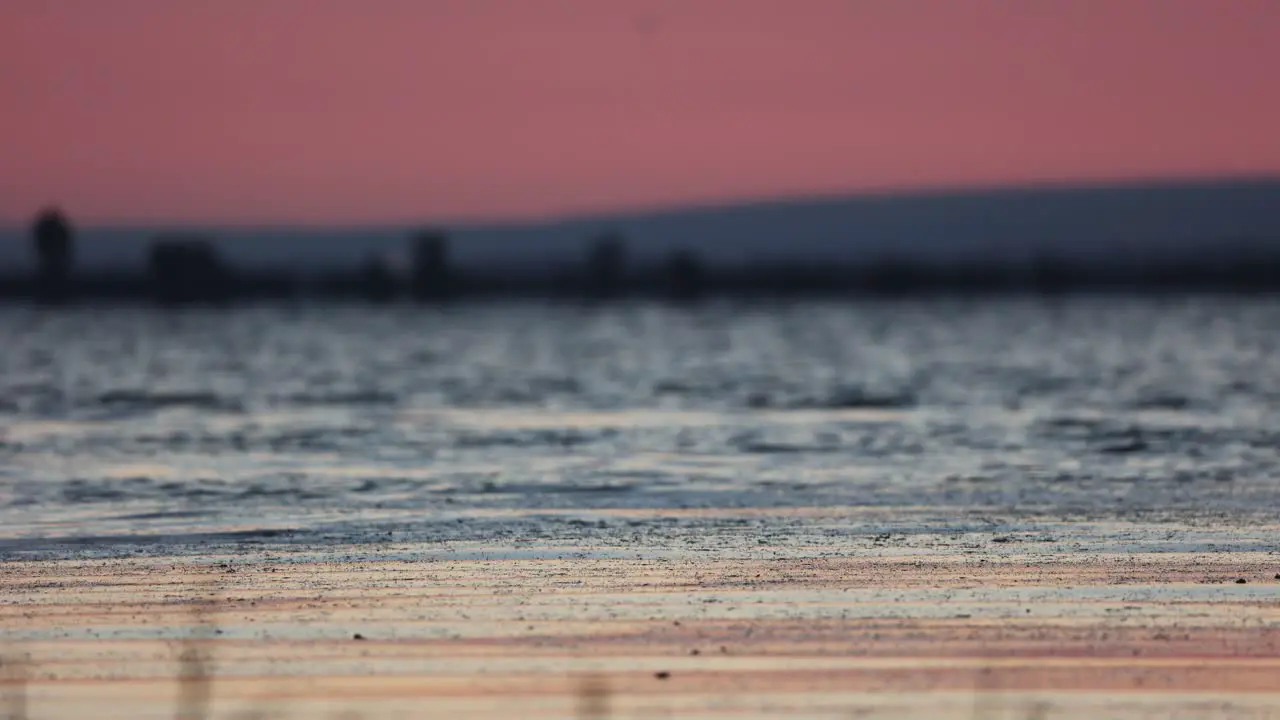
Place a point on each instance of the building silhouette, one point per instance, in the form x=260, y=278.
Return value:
x=187, y=269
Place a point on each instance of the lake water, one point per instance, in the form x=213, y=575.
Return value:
x=535, y=425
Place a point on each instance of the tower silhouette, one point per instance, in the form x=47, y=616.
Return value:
x=377, y=282
x=606, y=265
x=685, y=276
x=432, y=275
x=54, y=240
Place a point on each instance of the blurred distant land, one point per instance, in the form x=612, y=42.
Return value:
x=1210, y=235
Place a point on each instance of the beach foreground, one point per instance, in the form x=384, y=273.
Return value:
x=1016, y=508
x=927, y=626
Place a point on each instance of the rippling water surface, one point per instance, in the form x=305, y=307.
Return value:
x=540, y=422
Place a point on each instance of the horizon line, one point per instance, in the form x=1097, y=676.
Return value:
x=658, y=209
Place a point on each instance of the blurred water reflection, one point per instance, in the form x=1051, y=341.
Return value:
x=139, y=421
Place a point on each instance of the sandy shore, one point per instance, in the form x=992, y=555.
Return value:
x=993, y=632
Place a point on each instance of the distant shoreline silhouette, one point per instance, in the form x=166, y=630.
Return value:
x=188, y=269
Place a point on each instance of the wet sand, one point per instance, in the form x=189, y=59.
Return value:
x=999, y=628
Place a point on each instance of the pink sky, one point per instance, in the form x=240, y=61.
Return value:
x=388, y=110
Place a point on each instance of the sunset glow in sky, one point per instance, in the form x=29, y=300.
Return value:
x=388, y=110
